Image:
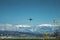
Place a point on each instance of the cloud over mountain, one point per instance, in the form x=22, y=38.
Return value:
x=22, y=26
x=27, y=28
x=7, y=27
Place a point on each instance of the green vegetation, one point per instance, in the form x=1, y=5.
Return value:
x=29, y=39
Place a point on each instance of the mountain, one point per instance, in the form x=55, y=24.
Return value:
x=37, y=30
x=30, y=31
x=18, y=34
x=43, y=28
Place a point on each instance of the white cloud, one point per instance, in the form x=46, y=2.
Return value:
x=53, y=27
x=26, y=27
x=23, y=26
x=7, y=27
x=33, y=29
x=47, y=25
x=13, y=27
x=5, y=24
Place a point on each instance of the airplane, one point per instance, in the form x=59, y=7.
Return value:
x=30, y=19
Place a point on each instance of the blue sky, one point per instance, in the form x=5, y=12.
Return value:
x=19, y=11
